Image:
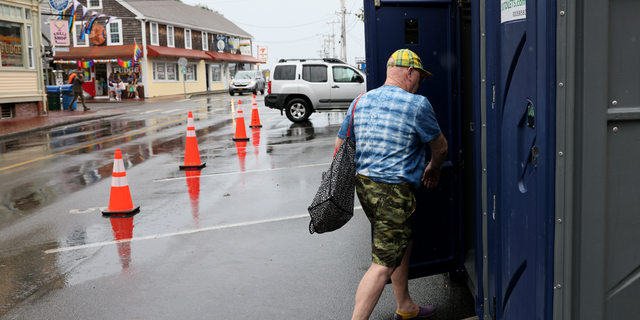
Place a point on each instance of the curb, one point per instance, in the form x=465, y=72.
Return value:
x=59, y=124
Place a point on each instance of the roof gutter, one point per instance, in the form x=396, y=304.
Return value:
x=190, y=26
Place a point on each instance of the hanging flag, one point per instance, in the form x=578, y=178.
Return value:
x=92, y=22
x=85, y=64
x=136, y=51
x=125, y=64
x=109, y=20
x=72, y=20
x=85, y=23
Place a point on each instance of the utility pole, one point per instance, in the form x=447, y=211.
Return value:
x=344, y=31
x=343, y=41
x=333, y=37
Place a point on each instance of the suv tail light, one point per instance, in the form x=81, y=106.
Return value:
x=269, y=91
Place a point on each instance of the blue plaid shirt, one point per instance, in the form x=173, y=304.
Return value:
x=392, y=128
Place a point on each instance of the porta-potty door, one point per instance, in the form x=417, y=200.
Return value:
x=520, y=148
x=428, y=29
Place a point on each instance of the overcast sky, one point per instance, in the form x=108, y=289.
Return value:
x=293, y=28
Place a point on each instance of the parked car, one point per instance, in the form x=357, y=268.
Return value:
x=247, y=81
x=299, y=87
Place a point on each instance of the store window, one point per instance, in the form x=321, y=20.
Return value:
x=170, y=39
x=342, y=74
x=114, y=33
x=187, y=38
x=205, y=41
x=216, y=73
x=154, y=34
x=165, y=71
x=77, y=32
x=10, y=11
x=27, y=14
x=192, y=72
x=233, y=69
x=94, y=4
x=30, y=47
x=11, y=44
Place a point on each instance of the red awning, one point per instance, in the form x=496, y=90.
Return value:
x=101, y=52
x=176, y=52
x=232, y=57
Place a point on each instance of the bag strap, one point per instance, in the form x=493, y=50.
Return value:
x=352, y=112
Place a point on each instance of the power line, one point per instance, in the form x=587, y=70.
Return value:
x=300, y=25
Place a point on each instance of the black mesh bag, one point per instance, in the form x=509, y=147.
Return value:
x=332, y=207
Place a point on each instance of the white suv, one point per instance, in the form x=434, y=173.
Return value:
x=299, y=87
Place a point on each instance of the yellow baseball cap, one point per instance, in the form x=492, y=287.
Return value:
x=408, y=59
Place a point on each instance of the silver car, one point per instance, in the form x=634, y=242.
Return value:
x=247, y=81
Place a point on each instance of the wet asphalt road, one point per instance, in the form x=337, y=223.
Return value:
x=228, y=242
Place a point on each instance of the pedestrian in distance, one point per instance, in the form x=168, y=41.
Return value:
x=119, y=88
x=112, y=87
x=77, y=82
x=393, y=127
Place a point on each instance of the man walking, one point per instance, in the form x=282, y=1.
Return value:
x=392, y=127
x=77, y=90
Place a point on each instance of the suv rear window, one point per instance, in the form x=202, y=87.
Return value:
x=314, y=73
x=285, y=73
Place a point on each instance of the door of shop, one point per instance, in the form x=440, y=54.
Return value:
x=429, y=29
x=207, y=73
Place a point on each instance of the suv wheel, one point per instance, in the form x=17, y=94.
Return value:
x=297, y=110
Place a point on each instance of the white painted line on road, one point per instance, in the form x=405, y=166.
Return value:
x=157, y=236
x=174, y=110
x=151, y=111
x=252, y=171
x=78, y=211
x=166, y=235
x=183, y=100
x=135, y=110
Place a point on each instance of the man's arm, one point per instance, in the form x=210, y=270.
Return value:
x=439, y=151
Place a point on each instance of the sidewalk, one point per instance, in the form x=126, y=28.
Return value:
x=56, y=118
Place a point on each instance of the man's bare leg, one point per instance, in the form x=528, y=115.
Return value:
x=400, y=281
x=369, y=290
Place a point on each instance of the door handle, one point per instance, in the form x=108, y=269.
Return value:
x=335, y=86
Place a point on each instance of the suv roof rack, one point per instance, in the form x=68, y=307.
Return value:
x=329, y=60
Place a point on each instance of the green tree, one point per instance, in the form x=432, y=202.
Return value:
x=180, y=1
x=359, y=15
x=204, y=6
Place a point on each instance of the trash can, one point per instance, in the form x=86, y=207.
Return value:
x=67, y=96
x=53, y=97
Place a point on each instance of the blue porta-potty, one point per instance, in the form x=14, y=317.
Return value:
x=67, y=97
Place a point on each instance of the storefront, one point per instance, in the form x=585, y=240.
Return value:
x=21, y=81
x=97, y=64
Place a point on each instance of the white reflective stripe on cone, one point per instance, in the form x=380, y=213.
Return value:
x=118, y=165
x=190, y=122
x=191, y=133
x=119, y=181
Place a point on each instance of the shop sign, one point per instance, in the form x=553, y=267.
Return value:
x=234, y=43
x=126, y=70
x=59, y=5
x=60, y=32
x=221, y=43
x=263, y=54
x=511, y=10
x=245, y=47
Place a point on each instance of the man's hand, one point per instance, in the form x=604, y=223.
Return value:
x=439, y=150
x=338, y=144
x=430, y=177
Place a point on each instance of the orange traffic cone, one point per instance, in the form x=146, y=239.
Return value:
x=120, y=199
x=255, y=117
x=241, y=132
x=191, y=153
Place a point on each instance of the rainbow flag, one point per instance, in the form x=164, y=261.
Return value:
x=125, y=64
x=136, y=51
x=85, y=64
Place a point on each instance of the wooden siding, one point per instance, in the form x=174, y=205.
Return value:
x=18, y=83
x=131, y=28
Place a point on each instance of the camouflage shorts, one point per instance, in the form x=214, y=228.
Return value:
x=389, y=208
